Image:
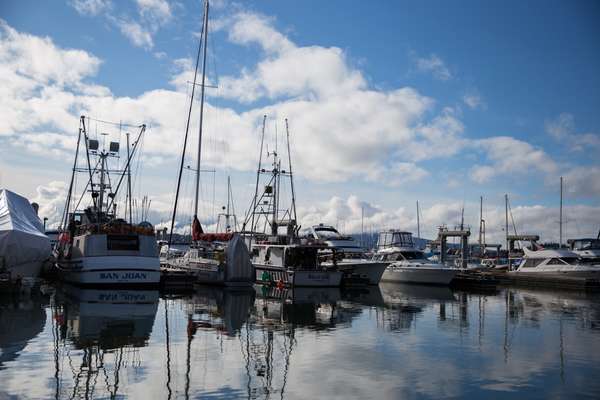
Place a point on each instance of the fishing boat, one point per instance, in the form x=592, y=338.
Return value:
x=408, y=263
x=279, y=255
x=352, y=255
x=96, y=246
x=212, y=258
x=551, y=261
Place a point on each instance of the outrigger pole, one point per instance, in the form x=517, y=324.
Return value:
x=290, y=165
x=262, y=141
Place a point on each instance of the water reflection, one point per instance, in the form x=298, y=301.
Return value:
x=394, y=341
x=22, y=318
x=108, y=326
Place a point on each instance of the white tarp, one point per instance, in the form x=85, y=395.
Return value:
x=22, y=240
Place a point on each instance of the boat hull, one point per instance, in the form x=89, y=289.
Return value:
x=111, y=270
x=430, y=276
x=372, y=270
x=297, y=278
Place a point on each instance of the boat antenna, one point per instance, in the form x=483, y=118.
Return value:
x=185, y=138
x=287, y=130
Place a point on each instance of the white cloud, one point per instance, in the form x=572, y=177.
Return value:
x=155, y=11
x=508, y=155
x=583, y=182
x=435, y=66
x=562, y=128
x=473, y=99
x=91, y=7
x=136, y=33
x=152, y=15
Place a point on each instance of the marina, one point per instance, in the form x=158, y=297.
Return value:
x=216, y=199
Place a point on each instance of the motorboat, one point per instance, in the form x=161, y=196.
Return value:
x=554, y=261
x=352, y=255
x=23, y=245
x=408, y=263
x=588, y=250
x=220, y=258
x=96, y=246
x=293, y=264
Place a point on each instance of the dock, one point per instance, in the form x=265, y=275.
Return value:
x=588, y=282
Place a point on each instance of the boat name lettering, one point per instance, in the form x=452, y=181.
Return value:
x=121, y=276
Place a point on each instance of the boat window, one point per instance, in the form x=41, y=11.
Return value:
x=412, y=255
x=327, y=233
x=122, y=242
x=532, y=262
x=555, y=261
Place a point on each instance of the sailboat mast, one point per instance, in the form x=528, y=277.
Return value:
x=205, y=37
x=418, y=222
x=187, y=128
x=480, y=219
x=227, y=214
x=560, y=233
x=287, y=130
x=506, y=218
x=129, y=180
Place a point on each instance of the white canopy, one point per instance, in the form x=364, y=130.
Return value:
x=22, y=239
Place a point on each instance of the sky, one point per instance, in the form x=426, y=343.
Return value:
x=388, y=104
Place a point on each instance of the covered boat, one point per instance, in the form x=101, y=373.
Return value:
x=23, y=244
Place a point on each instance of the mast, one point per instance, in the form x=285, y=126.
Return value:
x=506, y=218
x=362, y=226
x=262, y=141
x=129, y=180
x=187, y=128
x=228, y=193
x=68, y=202
x=418, y=222
x=290, y=165
x=480, y=219
x=205, y=37
x=560, y=223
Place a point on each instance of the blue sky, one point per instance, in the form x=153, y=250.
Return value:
x=388, y=103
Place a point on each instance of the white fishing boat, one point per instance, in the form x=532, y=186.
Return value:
x=212, y=258
x=279, y=255
x=352, y=255
x=23, y=245
x=408, y=263
x=549, y=261
x=588, y=250
x=96, y=247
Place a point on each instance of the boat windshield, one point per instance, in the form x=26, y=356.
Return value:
x=413, y=255
x=589, y=244
x=328, y=233
x=400, y=239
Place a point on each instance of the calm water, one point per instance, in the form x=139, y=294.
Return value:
x=395, y=341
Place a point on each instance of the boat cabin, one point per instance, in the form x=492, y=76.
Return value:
x=393, y=238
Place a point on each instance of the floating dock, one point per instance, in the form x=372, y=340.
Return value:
x=588, y=282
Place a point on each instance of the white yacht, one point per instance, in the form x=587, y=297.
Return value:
x=408, y=263
x=588, y=250
x=353, y=259
x=95, y=246
x=554, y=261
x=213, y=258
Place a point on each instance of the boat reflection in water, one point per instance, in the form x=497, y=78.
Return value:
x=21, y=319
x=303, y=343
x=109, y=327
